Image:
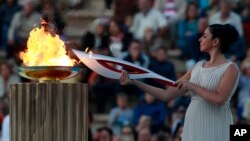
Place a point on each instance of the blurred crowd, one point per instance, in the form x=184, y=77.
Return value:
x=142, y=32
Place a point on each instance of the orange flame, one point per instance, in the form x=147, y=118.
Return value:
x=44, y=49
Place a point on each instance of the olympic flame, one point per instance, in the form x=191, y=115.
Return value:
x=45, y=49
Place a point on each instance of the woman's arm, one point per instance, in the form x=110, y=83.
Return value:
x=220, y=96
x=159, y=93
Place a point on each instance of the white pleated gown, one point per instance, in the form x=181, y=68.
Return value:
x=205, y=121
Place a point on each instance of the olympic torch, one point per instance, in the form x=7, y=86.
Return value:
x=101, y=65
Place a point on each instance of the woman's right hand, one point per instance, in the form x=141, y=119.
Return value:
x=124, y=79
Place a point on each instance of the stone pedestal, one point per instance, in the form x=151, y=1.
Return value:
x=48, y=112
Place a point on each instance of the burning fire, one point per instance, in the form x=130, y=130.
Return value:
x=45, y=49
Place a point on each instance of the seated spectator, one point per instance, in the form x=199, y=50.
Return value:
x=137, y=56
x=21, y=25
x=127, y=23
x=144, y=123
x=119, y=40
x=187, y=27
x=103, y=134
x=144, y=135
x=182, y=101
x=153, y=108
x=246, y=111
x=244, y=87
x=243, y=9
x=127, y=133
x=6, y=78
x=178, y=132
x=147, y=18
x=212, y=8
x=6, y=128
x=7, y=11
x=174, y=11
x=163, y=135
x=120, y=115
x=151, y=41
x=177, y=118
x=193, y=43
x=227, y=16
x=237, y=50
x=97, y=41
x=162, y=66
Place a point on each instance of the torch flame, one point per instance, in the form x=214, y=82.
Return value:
x=44, y=49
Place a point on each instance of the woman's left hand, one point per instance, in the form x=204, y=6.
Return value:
x=184, y=85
